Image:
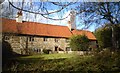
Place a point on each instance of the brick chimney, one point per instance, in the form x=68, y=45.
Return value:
x=72, y=20
x=19, y=17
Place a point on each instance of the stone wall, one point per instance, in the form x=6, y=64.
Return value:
x=21, y=44
x=18, y=43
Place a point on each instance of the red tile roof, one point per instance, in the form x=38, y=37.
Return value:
x=83, y=32
x=40, y=29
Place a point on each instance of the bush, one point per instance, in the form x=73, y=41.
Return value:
x=46, y=51
x=79, y=42
x=107, y=60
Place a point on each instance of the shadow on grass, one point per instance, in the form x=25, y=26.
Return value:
x=8, y=54
x=40, y=60
x=31, y=64
x=12, y=61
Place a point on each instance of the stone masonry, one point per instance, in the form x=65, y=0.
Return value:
x=36, y=44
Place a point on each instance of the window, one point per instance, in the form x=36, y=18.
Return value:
x=7, y=37
x=31, y=39
x=68, y=49
x=44, y=39
x=56, y=40
x=67, y=40
x=56, y=48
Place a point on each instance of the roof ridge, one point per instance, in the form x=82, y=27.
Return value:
x=35, y=22
x=82, y=30
x=35, y=28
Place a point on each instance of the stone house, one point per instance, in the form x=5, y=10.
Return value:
x=32, y=37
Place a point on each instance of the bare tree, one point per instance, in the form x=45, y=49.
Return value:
x=89, y=12
x=103, y=11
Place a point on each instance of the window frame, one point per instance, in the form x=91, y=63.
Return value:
x=67, y=40
x=7, y=38
x=31, y=39
x=56, y=40
x=45, y=39
x=68, y=49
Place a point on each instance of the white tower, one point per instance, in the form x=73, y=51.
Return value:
x=19, y=17
x=72, y=21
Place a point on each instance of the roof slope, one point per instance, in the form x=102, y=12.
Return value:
x=83, y=32
x=40, y=29
x=33, y=28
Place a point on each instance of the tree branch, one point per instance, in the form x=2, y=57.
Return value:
x=54, y=18
x=39, y=12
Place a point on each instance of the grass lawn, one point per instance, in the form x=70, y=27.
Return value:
x=50, y=56
x=99, y=63
x=46, y=62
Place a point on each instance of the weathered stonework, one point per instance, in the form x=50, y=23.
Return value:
x=18, y=44
x=22, y=44
x=29, y=37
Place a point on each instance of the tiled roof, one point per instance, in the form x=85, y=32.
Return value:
x=83, y=32
x=40, y=29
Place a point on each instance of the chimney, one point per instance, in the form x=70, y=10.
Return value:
x=69, y=25
x=72, y=21
x=19, y=16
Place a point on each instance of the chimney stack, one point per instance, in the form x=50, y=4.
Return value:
x=72, y=20
x=19, y=16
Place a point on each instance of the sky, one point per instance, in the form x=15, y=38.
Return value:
x=40, y=19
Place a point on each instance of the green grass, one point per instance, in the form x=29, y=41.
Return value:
x=65, y=62
x=50, y=56
x=46, y=62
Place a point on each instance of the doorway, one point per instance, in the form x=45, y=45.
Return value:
x=56, y=48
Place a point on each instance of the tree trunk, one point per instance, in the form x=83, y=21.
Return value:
x=113, y=38
x=114, y=41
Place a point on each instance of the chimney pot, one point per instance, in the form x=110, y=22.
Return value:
x=19, y=17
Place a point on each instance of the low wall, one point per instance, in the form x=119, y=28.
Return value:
x=79, y=52
x=61, y=52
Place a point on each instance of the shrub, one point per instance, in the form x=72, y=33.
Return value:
x=107, y=60
x=46, y=51
x=79, y=42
